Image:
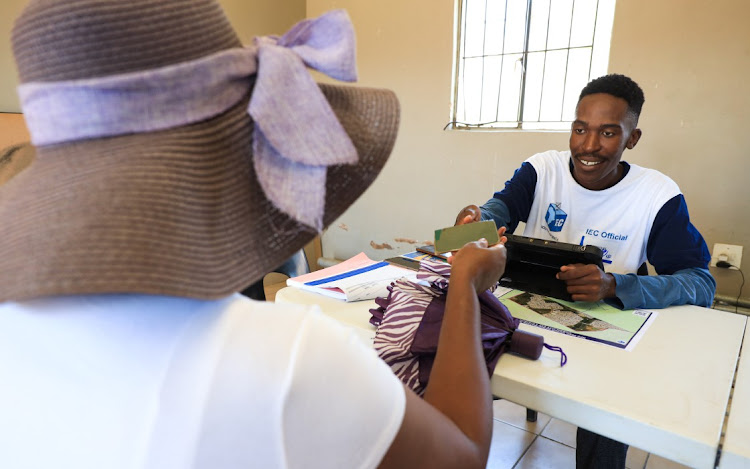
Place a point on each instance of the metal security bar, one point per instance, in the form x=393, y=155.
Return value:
x=521, y=64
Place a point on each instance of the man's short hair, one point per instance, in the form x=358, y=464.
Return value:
x=619, y=86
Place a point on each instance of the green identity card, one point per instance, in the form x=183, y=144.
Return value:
x=455, y=237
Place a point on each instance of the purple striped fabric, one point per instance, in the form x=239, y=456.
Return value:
x=409, y=321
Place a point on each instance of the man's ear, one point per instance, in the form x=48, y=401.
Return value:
x=635, y=135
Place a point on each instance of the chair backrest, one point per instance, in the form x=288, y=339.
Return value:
x=294, y=266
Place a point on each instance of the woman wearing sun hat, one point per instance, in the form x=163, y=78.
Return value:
x=173, y=167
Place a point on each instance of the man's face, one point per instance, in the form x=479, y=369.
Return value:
x=601, y=132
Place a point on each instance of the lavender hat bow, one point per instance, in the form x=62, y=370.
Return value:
x=296, y=136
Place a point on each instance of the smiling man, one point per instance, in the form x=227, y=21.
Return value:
x=588, y=195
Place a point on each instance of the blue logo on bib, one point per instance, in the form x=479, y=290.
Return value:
x=555, y=217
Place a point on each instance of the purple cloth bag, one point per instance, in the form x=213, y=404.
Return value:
x=410, y=317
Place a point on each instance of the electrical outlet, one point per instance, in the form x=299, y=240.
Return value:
x=726, y=252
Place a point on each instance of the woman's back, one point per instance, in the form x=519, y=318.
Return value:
x=126, y=381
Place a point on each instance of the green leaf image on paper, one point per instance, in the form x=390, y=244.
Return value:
x=561, y=314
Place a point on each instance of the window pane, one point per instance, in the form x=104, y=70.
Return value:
x=493, y=89
x=538, y=26
x=578, y=76
x=471, y=90
x=584, y=14
x=533, y=93
x=495, y=28
x=474, y=28
x=490, y=88
x=602, y=37
x=459, y=103
x=552, y=91
x=510, y=88
x=559, y=25
x=515, y=27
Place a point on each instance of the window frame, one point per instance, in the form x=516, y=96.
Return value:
x=600, y=44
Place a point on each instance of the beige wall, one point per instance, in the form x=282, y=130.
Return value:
x=689, y=57
x=9, y=10
x=252, y=18
x=692, y=62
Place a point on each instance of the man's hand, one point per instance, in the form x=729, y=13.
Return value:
x=587, y=282
x=480, y=265
x=468, y=214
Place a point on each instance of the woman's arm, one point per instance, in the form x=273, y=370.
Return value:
x=452, y=425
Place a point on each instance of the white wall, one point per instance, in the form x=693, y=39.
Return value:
x=691, y=58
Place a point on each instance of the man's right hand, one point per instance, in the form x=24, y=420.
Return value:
x=468, y=214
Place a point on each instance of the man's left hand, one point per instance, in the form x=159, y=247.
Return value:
x=587, y=282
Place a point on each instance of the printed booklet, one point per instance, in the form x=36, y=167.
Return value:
x=356, y=279
x=593, y=321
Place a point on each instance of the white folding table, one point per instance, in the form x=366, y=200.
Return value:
x=735, y=452
x=668, y=396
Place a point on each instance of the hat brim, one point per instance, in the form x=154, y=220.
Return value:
x=176, y=212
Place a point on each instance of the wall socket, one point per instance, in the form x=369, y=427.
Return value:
x=726, y=252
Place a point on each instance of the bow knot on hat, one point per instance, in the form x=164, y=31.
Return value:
x=172, y=160
x=296, y=137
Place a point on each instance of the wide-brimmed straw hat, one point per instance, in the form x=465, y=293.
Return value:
x=180, y=210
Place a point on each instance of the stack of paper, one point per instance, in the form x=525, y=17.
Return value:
x=356, y=279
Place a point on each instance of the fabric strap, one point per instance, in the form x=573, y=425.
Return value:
x=296, y=133
x=555, y=348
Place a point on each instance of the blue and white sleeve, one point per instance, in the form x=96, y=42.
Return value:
x=694, y=286
x=512, y=204
x=680, y=257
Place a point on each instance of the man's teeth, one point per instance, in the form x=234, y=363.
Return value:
x=589, y=163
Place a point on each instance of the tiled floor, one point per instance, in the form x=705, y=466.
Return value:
x=546, y=443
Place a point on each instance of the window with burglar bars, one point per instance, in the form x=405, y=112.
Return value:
x=521, y=64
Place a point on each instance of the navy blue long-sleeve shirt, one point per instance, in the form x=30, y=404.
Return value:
x=675, y=248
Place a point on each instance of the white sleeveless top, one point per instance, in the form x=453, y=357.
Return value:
x=617, y=219
x=137, y=381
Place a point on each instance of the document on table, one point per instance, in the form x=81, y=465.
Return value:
x=356, y=279
x=599, y=321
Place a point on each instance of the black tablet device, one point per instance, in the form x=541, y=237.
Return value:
x=533, y=263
